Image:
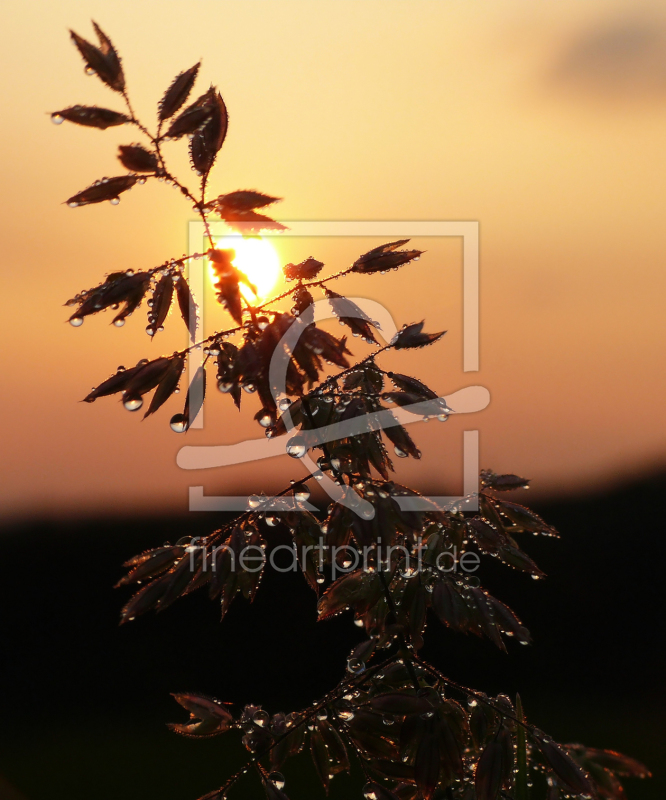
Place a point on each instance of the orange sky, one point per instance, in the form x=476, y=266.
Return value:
x=546, y=122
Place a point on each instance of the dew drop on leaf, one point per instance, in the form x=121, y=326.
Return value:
x=133, y=403
x=277, y=779
x=400, y=453
x=358, y=623
x=301, y=493
x=56, y=119
x=272, y=521
x=284, y=404
x=442, y=417
x=224, y=386
x=296, y=448
x=119, y=323
x=76, y=322
x=114, y=201
x=178, y=423
x=254, y=501
x=355, y=666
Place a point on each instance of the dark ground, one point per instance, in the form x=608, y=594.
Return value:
x=83, y=702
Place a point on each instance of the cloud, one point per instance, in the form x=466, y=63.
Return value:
x=622, y=60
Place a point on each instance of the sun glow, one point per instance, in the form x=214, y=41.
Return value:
x=256, y=257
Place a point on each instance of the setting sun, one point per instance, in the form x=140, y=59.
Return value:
x=256, y=257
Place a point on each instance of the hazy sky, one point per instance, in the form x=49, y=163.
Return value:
x=546, y=122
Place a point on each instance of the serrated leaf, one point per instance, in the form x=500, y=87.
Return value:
x=103, y=60
x=167, y=386
x=162, y=297
x=108, y=189
x=92, y=116
x=411, y=336
x=136, y=158
x=188, y=308
x=178, y=92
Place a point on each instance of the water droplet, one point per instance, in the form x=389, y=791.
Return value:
x=400, y=453
x=346, y=715
x=388, y=721
x=266, y=420
x=150, y=330
x=296, y=447
x=320, y=578
x=254, y=501
x=471, y=702
x=535, y=577
x=119, y=322
x=272, y=521
x=358, y=623
x=250, y=388
x=369, y=792
x=178, y=423
x=284, y=403
x=355, y=666
x=427, y=715
x=89, y=71
x=442, y=417
x=225, y=386
x=57, y=119
x=76, y=322
x=301, y=493
x=133, y=403
x=141, y=181
x=260, y=717
x=262, y=323
x=114, y=201
x=277, y=779
x=73, y=204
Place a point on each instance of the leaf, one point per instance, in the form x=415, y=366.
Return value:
x=104, y=61
x=411, y=385
x=188, y=308
x=351, y=315
x=167, y=386
x=116, y=383
x=207, y=140
x=514, y=557
x=162, y=297
x=566, y=769
x=411, y=336
x=106, y=189
x=618, y=763
x=137, y=159
x=329, y=753
x=385, y=257
x=191, y=120
x=427, y=762
x=305, y=271
x=249, y=222
x=151, y=564
x=358, y=590
x=494, y=767
x=92, y=116
x=485, y=535
x=503, y=483
x=524, y=518
x=178, y=92
x=208, y=717
x=195, y=398
x=147, y=377
x=243, y=200
x=521, y=781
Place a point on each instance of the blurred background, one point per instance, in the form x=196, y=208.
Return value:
x=544, y=122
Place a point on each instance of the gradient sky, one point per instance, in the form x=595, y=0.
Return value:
x=545, y=122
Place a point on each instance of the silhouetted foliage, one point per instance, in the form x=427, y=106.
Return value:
x=414, y=732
